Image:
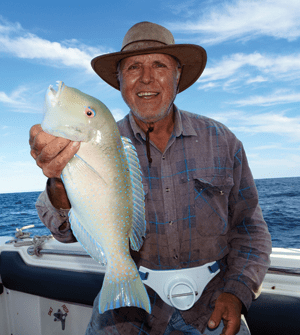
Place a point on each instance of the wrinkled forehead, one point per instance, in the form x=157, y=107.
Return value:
x=149, y=59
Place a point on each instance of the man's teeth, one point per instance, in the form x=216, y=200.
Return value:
x=143, y=94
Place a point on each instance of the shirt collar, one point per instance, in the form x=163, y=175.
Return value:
x=183, y=125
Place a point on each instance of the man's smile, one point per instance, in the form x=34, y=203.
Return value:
x=147, y=95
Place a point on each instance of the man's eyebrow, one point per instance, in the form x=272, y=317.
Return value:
x=140, y=63
x=133, y=63
x=159, y=61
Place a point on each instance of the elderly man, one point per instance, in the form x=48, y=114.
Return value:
x=201, y=200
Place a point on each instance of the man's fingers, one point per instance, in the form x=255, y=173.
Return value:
x=54, y=168
x=215, y=318
x=53, y=148
x=34, y=130
x=51, y=153
x=38, y=140
x=232, y=327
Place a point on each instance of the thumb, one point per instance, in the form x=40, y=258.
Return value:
x=215, y=318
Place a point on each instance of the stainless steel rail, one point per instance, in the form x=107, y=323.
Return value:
x=280, y=270
x=83, y=253
x=272, y=270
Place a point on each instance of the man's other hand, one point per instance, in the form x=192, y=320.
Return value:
x=228, y=307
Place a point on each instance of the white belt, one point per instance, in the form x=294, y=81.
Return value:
x=180, y=288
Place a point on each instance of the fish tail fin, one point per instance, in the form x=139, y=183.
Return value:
x=116, y=293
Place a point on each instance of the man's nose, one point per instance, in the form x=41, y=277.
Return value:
x=146, y=75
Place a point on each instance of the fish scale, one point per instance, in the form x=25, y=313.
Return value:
x=103, y=183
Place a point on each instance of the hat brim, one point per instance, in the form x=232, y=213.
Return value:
x=192, y=57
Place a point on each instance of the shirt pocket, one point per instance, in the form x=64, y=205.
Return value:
x=211, y=204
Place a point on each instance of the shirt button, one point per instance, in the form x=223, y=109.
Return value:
x=167, y=189
x=175, y=257
x=163, y=157
x=170, y=223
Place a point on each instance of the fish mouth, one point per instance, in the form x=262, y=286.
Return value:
x=66, y=131
x=53, y=95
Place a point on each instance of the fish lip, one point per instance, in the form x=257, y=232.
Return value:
x=72, y=133
x=52, y=93
x=61, y=87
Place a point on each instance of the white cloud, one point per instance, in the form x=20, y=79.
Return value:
x=5, y=98
x=265, y=123
x=208, y=86
x=269, y=146
x=118, y=113
x=18, y=100
x=257, y=79
x=183, y=8
x=21, y=44
x=8, y=27
x=249, y=69
x=277, y=146
x=280, y=66
x=269, y=100
x=242, y=19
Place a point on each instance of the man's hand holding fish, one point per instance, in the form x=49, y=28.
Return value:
x=52, y=154
x=176, y=185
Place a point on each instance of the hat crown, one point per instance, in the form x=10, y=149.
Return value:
x=141, y=32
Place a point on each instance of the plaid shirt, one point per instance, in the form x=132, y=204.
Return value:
x=201, y=206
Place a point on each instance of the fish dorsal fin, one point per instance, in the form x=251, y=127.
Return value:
x=138, y=228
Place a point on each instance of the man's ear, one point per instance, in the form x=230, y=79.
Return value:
x=179, y=73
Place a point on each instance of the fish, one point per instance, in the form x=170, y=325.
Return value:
x=104, y=186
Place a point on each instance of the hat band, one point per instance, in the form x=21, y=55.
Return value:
x=142, y=45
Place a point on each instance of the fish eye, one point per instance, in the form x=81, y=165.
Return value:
x=89, y=112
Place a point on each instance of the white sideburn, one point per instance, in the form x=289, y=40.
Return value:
x=180, y=288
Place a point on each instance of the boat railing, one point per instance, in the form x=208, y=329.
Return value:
x=32, y=251
x=278, y=270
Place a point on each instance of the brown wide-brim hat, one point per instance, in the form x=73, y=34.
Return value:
x=148, y=38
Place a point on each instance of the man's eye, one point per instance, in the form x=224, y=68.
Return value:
x=133, y=67
x=160, y=65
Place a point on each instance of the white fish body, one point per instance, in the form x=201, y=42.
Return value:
x=103, y=183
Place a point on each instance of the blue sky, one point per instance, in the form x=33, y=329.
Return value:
x=251, y=82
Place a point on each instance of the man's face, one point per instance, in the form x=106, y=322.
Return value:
x=148, y=84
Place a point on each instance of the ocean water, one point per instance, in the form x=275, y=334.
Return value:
x=279, y=200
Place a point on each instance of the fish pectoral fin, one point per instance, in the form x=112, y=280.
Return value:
x=138, y=228
x=84, y=167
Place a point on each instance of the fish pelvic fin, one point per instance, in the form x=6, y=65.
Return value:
x=93, y=248
x=129, y=292
x=138, y=228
